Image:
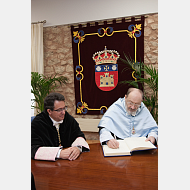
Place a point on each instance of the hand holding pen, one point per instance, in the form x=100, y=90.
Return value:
x=113, y=143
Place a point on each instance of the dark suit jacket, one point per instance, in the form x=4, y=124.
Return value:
x=43, y=133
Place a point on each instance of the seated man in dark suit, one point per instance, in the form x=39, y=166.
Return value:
x=55, y=129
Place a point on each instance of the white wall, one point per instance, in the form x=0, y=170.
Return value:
x=60, y=12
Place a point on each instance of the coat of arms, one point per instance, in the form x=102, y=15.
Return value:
x=106, y=69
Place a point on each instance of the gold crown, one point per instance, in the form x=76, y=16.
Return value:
x=106, y=56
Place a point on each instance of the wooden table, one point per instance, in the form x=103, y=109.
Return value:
x=94, y=171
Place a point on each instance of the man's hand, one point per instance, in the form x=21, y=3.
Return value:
x=65, y=153
x=75, y=152
x=151, y=139
x=70, y=153
x=113, y=143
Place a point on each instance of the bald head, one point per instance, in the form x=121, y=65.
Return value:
x=135, y=92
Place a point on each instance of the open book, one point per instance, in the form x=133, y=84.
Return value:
x=128, y=145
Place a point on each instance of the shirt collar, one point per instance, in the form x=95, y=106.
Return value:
x=56, y=122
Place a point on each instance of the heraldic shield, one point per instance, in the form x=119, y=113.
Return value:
x=106, y=76
x=106, y=69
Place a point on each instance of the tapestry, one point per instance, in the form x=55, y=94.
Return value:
x=97, y=67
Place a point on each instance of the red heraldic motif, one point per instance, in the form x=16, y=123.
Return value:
x=106, y=69
x=106, y=76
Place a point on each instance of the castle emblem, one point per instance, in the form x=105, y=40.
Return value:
x=106, y=69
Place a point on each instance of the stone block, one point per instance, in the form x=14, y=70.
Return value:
x=50, y=36
x=69, y=68
x=154, y=43
x=48, y=69
x=146, y=48
x=53, y=46
x=147, y=31
x=152, y=58
x=59, y=69
x=53, y=61
x=69, y=90
x=68, y=75
x=61, y=56
x=154, y=26
x=150, y=20
x=58, y=40
x=70, y=61
x=63, y=62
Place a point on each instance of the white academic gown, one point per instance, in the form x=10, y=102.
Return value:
x=120, y=123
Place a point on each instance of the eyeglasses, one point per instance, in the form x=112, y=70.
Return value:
x=61, y=109
x=132, y=104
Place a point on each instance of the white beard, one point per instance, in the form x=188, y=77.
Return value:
x=133, y=113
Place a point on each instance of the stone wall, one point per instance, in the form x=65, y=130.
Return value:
x=58, y=60
x=58, y=56
x=151, y=44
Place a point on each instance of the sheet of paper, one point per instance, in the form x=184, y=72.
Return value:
x=134, y=142
x=122, y=148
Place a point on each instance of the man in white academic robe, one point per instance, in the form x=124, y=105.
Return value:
x=127, y=117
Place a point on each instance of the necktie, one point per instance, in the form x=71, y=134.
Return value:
x=57, y=127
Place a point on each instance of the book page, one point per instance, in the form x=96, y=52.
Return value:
x=122, y=150
x=138, y=143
